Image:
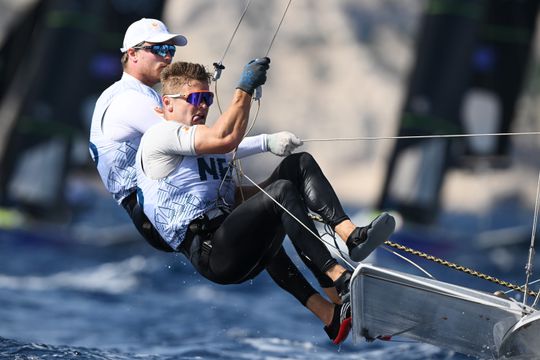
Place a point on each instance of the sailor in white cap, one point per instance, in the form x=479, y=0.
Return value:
x=125, y=110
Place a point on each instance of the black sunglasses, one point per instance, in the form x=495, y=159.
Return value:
x=159, y=49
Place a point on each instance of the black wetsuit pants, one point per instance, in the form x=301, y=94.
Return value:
x=250, y=238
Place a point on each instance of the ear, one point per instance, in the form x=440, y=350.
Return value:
x=132, y=53
x=159, y=111
x=166, y=101
x=167, y=104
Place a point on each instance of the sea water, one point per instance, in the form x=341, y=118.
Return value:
x=61, y=298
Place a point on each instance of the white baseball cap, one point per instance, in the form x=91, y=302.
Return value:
x=150, y=30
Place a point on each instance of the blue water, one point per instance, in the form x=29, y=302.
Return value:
x=62, y=298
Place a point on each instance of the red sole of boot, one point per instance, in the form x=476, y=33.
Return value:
x=344, y=330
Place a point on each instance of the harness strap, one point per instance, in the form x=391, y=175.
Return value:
x=206, y=224
x=204, y=228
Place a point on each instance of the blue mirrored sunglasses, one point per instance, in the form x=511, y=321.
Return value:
x=195, y=98
x=159, y=49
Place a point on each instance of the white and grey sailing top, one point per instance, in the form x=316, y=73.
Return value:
x=123, y=112
x=176, y=185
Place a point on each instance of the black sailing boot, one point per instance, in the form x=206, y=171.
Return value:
x=342, y=285
x=341, y=323
x=363, y=240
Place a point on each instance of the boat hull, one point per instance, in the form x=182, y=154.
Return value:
x=387, y=304
x=522, y=339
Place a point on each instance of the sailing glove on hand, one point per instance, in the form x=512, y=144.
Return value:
x=282, y=143
x=253, y=75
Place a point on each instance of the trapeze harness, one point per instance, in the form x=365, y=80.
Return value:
x=192, y=208
x=252, y=235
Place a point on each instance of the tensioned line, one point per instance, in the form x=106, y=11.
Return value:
x=234, y=32
x=529, y=266
x=338, y=253
x=360, y=138
x=331, y=248
x=278, y=27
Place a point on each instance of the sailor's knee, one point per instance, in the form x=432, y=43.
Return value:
x=305, y=157
x=306, y=160
x=302, y=160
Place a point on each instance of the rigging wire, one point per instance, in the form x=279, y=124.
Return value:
x=237, y=164
x=454, y=266
x=409, y=261
x=218, y=66
x=278, y=27
x=529, y=266
x=451, y=265
x=258, y=94
x=412, y=137
x=337, y=252
x=457, y=267
x=234, y=33
x=530, y=283
x=258, y=91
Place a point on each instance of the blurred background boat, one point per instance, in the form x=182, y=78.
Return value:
x=75, y=277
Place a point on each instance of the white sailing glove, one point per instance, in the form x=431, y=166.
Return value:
x=282, y=143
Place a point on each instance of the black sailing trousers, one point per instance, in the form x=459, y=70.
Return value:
x=250, y=238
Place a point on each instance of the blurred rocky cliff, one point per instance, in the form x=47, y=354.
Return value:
x=338, y=70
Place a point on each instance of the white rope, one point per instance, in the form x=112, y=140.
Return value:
x=409, y=261
x=332, y=248
x=442, y=136
x=235, y=161
x=364, y=138
x=219, y=65
x=234, y=32
x=278, y=27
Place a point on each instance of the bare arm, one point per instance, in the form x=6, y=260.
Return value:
x=228, y=131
